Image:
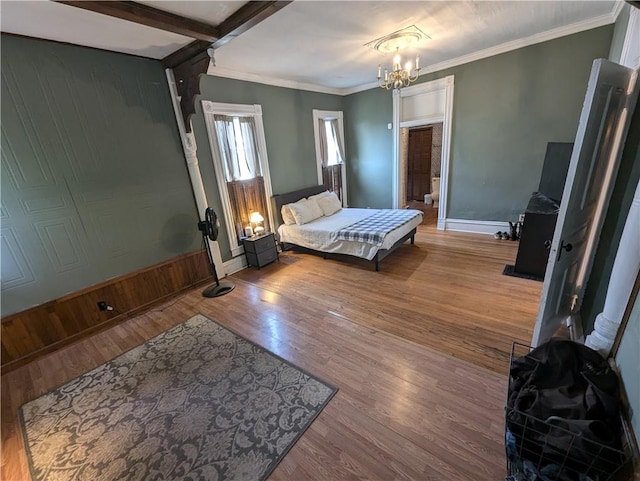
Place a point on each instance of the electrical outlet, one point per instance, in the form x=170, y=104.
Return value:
x=102, y=305
x=521, y=218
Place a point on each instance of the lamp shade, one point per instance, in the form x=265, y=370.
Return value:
x=255, y=217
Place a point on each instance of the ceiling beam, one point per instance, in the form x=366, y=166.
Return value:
x=187, y=78
x=184, y=54
x=192, y=60
x=151, y=17
x=247, y=16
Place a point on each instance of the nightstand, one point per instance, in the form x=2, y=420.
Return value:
x=260, y=250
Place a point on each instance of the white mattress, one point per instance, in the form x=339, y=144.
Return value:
x=317, y=235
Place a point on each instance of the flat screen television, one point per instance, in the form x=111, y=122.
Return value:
x=554, y=169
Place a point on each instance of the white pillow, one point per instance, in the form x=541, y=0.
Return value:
x=287, y=216
x=305, y=211
x=320, y=195
x=330, y=204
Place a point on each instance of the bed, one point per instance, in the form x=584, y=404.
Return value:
x=330, y=235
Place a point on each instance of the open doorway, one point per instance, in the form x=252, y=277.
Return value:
x=421, y=160
x=416, y=107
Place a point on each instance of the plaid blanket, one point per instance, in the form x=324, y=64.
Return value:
x=374, y=228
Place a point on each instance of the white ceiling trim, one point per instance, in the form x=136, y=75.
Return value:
x=566, y=30
x=507, y=47
x=617, y=8
x=276, y=82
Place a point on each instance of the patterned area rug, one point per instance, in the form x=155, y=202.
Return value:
x=196, y=403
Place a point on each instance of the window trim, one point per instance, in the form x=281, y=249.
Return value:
x=328, y=115
x=210, y=109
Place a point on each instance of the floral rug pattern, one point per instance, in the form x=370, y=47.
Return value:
x=195, y=403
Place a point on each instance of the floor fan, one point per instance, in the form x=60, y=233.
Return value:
x=209, y=228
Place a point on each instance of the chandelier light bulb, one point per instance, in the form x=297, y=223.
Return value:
x=398, y=77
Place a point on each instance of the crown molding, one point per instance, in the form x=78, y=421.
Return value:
x=276, y=82
x=510, y=46
x=559, y=32
x=360, y=88
x=524, y=42
x=617, y=8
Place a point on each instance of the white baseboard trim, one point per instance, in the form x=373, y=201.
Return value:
x=475, y=226
x=235, y=265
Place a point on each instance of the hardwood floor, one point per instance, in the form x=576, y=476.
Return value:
x=430, y=215
x=418, y=350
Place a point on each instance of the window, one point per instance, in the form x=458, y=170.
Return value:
x=330, y=154
x=238, y=147
x=333, y=151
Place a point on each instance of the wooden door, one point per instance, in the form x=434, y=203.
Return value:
x=419, y=163
x=607, y=109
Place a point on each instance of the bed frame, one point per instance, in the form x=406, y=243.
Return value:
x=279, y=200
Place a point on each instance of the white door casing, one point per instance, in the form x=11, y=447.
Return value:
x=630, y=55
x=210, y=109
x=190, y=151
x=603, y=125
x=424, y=104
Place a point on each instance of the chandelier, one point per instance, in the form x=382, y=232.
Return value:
x=399, y=76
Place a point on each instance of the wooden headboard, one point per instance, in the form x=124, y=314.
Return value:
x=278, y=200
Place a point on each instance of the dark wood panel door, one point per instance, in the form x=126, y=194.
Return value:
x=419, y=163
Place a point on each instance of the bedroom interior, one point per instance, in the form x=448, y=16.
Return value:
x=98, y=204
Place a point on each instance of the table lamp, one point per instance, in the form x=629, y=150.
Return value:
x=257, y=219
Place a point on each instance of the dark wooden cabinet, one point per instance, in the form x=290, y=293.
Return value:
x=535, y=241
x=541, y=214
x=260, y=250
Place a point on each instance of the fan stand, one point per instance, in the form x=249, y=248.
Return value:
x=219, y=288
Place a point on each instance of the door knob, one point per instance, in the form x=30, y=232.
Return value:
x=547, y=244
x=567, y=247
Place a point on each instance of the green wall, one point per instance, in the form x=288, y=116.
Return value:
x=288, y=128
x=506, y=108
x=94, y=181
x=369, y=145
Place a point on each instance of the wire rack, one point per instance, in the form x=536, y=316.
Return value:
x=549, y=450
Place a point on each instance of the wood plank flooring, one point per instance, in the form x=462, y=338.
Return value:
x=418, y=350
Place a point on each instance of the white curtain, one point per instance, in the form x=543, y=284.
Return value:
x=330, y=142
x=333, y=123
x=324, y=152
x=238, y=146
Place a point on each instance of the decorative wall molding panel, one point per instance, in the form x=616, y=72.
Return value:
x=93, y=178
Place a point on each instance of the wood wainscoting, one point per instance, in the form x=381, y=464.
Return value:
x=49, y=326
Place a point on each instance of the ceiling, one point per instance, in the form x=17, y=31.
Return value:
x=319, y=45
